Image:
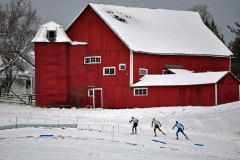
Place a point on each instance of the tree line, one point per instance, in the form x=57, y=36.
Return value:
x=19, y=22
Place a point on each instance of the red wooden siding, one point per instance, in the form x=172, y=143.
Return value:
x=51, y=74
x=102, y=41
x=155, y=63
x=60, y=71
x=228, y=90
x=202, y=95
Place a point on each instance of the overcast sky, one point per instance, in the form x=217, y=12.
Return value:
x=225, y=12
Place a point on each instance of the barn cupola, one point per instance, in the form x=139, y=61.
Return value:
x=51, y=32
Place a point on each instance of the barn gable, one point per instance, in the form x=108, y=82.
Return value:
x=154, y=31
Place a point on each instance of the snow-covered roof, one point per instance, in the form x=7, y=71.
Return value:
x=161, y=31
x=41, y=35
x=180, y=79
x=180, y=71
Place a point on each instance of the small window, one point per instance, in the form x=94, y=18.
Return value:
x=90, y=92
x=122, y=66
x=87, y=60
x=98, y=60
x=51, y=35
x=140, y=92
x=28, y=84
x=108, y=70
x=143, y=71
x=167, y=72
x=92, y=60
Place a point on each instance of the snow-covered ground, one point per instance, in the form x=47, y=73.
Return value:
x=105, y=134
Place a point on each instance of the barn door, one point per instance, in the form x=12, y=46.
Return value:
x=197, y=96
x=97, y=98
x=182, y=96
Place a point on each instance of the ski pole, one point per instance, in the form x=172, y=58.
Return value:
x=141, y=130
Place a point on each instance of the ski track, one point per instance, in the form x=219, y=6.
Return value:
x=217, y=128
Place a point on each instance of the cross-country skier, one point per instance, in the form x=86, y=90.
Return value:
x=180, y=128
x=135, y=124
x=156, y=124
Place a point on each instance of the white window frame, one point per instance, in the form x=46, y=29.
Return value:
x=104, y=68
x=134, y=91
x=90, y=92
x=92, y=60
x=122, y=65
x=143, y=69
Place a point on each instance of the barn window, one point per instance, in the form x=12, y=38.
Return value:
x=51, y=35
x=109, y=71
x=90, y=92
x=167, y=72
x=143, y=71
x=140, y=92
x=92, y=60
x=122, y=66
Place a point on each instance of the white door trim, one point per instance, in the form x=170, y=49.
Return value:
x=95, y=89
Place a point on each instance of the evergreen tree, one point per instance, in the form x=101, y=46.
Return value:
x=208, y=20
x=235, y=48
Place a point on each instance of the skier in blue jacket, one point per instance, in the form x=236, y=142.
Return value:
x=135, y=124
x=180, y=128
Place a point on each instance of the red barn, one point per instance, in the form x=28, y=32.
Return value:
x=122, y=57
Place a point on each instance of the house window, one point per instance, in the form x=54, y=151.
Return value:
x=90, y=92
x=51, y=35
x=140, y=92
x=143, y=71
x=109, y=71
x=92, y=60
x=122, y=66
x=28, y=84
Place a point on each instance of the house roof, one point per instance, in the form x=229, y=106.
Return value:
x=161, y=31
x=180, y=79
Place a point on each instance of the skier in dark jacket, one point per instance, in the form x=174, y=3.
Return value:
x=180, y=128
x=135, y=124
x=156, y=124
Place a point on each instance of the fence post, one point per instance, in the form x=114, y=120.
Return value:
x=16, y=121
x=113, y=133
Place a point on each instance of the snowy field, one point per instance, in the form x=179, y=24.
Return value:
x=105, y=134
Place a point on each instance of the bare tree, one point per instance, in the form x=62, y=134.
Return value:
x=208, y=20
x=77, y=92
x=18, y=25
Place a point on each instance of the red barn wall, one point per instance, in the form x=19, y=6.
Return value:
x=228, y=89
x=156, y=63
x=199, y=95
x=66, y=70
x=51, y=74
x=101, y=41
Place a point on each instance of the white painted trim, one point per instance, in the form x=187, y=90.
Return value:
x=230, y=64
x=94, y=89
x=89, y=92
x=143, y=69
x=216, y=95
x=131, y=67
x=239, y=92
x=121, y=64
x=91, y=58
x=142, y=89
x=109, y=71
